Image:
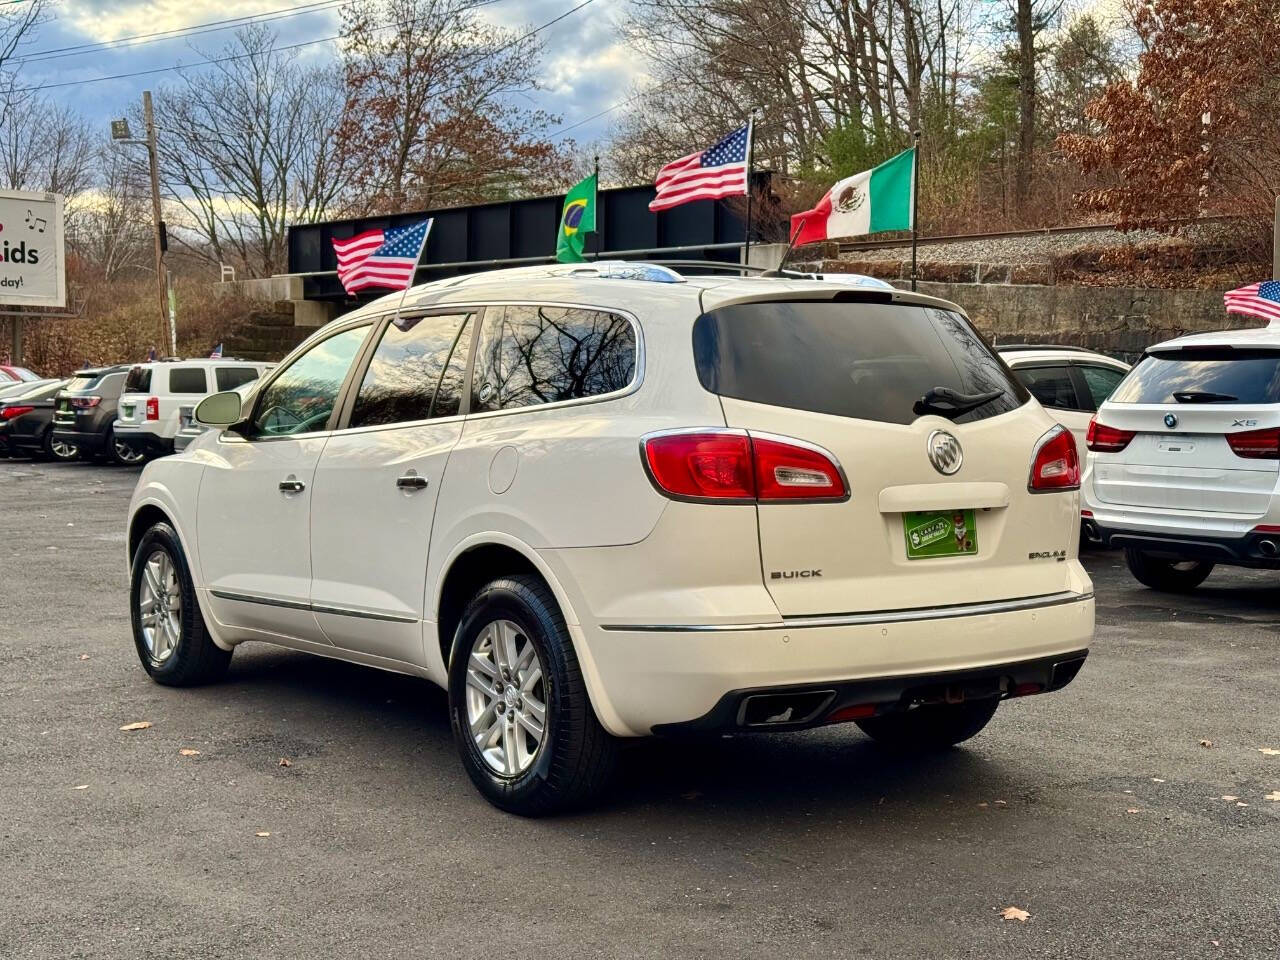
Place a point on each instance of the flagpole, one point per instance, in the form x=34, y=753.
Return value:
x=915, y=189
x=751, y=147
x=595, y=204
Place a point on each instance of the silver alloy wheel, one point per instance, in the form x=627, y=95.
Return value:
x=63, y=450
x=160, y=606
x=126, y=453
x=506, y=698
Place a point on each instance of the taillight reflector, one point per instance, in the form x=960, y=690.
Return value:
x=734, y=467
x=8, y=413
x=1104, y=439
x=1256, y=444
x=1055, y=464
x=153, y=408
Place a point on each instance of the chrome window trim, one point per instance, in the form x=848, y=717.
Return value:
x=870, y=618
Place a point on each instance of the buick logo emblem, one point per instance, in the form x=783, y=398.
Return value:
x=1170, y=420
x=944, y=452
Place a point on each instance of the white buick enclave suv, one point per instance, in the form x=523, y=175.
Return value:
x=610, y=501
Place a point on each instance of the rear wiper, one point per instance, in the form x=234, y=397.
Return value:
x=1203, y=396
x=952, y=403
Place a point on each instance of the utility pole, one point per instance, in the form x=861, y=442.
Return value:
x=162, y=285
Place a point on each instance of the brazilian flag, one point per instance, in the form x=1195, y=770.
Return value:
x=576, y=221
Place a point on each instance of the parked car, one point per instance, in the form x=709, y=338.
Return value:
x=149, y=412
x=85, y=413
x=605, y=501
x=189, y=428
x=1185, y=457
x=11, y=388
x=17, y=373
x=26, y=424
x=1070, y=382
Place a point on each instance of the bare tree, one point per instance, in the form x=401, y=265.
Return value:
x=112, y=232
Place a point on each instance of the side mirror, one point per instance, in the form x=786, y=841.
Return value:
x=219, y=410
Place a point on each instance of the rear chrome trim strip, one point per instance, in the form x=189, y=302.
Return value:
x=862, y=619
x=312, y=607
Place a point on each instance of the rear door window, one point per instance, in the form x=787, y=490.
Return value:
x=187, y=380
x=1052, y=385
x=871, y=361
x=406, y=370
x=1216, y=375
x=228, y=378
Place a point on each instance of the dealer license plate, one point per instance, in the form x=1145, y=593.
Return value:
x=940, y=533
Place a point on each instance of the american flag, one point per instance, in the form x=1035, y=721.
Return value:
x=1255, y=300
x=381, y=258
x=216, y=353
x=719, y=171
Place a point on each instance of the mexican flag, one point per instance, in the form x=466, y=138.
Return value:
x=577, y=219
x=879, y=199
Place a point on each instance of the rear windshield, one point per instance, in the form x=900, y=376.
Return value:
x=138, y=381
x=872, y=361
x=1203, y=376
x=82, y=382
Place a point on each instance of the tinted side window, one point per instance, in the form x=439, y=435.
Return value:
x=1101, y=381
x=1052, y=386
x=138, y=381
x=529, y=355
x=187, y=380
x=402, y=377
x=1205, y=375
x=228, y=378
x=871, y=361
x=302, y=397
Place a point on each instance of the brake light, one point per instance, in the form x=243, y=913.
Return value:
x=85, y=402
x=1104, y=439
x=1055, y=465
x=153, y=408
x=732, y=466
x=1256, y=444
x=8, y=413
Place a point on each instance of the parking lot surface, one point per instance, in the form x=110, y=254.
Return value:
x=326, y=814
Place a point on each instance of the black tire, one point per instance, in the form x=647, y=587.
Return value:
x=194, y=658
x=51, y=452
x=576, y=757
x=113, y=455
x=931, y=727
x=1168, y=576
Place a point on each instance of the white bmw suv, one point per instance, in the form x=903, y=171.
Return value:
x=608, y=501
x=1184, y=462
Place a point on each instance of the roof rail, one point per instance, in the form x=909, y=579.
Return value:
x=1037, y=346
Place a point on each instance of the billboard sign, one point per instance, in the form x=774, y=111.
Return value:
x=33, y=269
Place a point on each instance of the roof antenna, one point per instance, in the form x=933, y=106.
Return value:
x=777, y=272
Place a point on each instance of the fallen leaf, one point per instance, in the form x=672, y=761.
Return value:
x=1156, y=780
x=188, y=752
x=1206, y=743
x=1003, y=803
x=83, y=786
x=1229, y=798
x=1241, y=803
x=1274, y=795
x=285, y=762
x=1128, y=791
x=1269, y=751
x=984, y=804
x=1133, y=810
x=1014, y=913
x=83, y=656
x=140, y=725
x=263, y=833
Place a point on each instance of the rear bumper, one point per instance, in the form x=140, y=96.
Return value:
x=141, y=439
x=668, y=679
x=1251, y=549
x=91, y=443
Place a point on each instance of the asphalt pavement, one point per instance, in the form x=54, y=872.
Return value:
x=325, y=814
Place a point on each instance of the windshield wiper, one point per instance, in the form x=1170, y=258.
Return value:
x=1203, y=396
x=952, y=403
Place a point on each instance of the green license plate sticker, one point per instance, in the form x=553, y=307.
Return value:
x=940, y=533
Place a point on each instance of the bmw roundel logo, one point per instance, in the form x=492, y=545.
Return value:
x=944, y=452
x=1170, y=420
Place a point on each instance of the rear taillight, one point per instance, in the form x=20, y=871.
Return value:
x=1055, y=464
x=1256, y=444
x=730, y=466
x=85, y=402
x=1104, y=439
x=153, y=408
x=8, y=413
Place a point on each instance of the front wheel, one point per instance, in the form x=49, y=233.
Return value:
x=1168, y=576
x=168, y=630
x=934, y=726
x=521, y=717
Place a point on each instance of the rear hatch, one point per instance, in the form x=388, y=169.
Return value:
x=850, y=374
x=1198, y=432
x=78, y=399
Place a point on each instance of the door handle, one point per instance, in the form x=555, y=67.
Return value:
x=411, y=481
x=292, y=485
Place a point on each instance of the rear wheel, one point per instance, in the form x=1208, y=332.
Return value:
x=168, y=630
x=121, y=453
x=1170, y=576
x=522, y=720
x=934, y=726
x=59, y=449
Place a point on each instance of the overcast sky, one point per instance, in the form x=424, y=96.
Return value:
x=585, y=69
